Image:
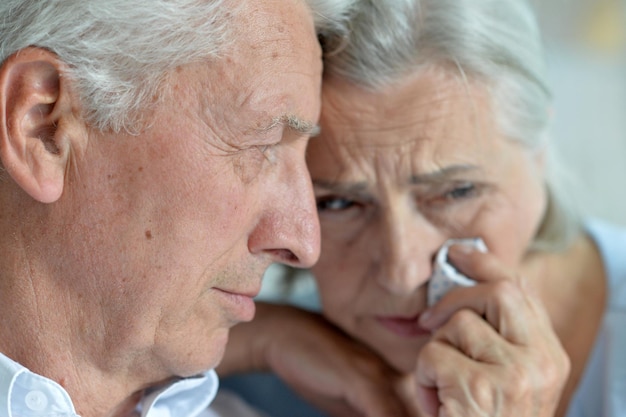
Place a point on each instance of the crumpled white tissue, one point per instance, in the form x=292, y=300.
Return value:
x=445, y=276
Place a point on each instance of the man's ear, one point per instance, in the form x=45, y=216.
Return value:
x=35, y=106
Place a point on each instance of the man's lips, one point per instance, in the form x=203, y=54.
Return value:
x=239, y=304
x=403, y=326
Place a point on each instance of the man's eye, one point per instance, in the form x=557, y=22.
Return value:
x=334, y=204
x=267, y=151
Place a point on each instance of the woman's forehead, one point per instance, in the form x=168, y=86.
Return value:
x=418, y=129
x=424, y=109
x=401, y=166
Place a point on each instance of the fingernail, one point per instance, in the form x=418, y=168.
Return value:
x=460, y=250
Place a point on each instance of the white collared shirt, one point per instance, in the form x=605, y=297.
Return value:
x=26, y=394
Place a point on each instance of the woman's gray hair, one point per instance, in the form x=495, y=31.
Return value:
x=494, y=42
x=118, y=51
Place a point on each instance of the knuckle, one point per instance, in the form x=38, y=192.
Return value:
x=484, y=392
x=427, y=351
x=556, y=371
x=428, y=354
x=507, y=296
x=504, y=289
x=524, y=384
x=463, y=319
x=566, y=365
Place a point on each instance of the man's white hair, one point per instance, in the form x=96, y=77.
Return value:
x=117, y=51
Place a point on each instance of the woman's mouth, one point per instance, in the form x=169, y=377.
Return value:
x=403, y=326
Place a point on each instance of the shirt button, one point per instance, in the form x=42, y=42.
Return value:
x=36, y=400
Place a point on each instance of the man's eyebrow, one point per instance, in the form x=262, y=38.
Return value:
x=295, y=123
x=443, y=174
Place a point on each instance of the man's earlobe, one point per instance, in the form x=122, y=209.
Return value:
x=34, y=109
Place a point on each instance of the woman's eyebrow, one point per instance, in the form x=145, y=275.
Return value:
x=443, y=174
x=341, y=187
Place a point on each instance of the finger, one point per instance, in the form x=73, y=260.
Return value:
x=501, y=303
x=431, y=376
x=500, y=297
x=442, y=369
x=429, y=400
x=464, y=387
x=485, y=267
x=475, y=338
x=480, y=266
x=484, y=376
x=406, y=388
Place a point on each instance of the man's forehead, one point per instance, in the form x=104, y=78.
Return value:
x=284, y=26
x=270, y=77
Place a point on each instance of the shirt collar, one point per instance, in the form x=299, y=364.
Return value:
x=187, y=397
x=26, y=394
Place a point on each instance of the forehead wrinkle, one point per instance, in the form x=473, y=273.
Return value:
x=443, y=174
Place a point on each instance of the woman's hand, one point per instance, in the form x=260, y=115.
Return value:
x=493, y=351
x=327, y=368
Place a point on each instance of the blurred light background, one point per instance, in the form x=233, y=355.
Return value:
x=586, y=52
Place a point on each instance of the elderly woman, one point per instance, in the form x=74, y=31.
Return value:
x=434, y=126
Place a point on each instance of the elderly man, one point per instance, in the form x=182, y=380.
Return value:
x=153, y=167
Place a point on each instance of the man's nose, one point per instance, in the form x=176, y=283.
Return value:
x=289, y=229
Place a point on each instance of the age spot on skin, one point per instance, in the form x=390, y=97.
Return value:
x=148, y=234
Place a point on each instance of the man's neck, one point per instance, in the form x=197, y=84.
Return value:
x=61, y=356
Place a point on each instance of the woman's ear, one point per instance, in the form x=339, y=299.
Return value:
x=35, y=107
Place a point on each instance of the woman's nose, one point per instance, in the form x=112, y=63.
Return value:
x=407, y=246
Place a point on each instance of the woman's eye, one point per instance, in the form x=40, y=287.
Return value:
x=448, y=196
x=334, y=204
x=461, y=191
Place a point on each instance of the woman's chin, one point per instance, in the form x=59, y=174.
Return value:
x=401, y=358
x=403, y=363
